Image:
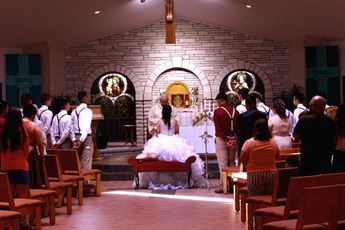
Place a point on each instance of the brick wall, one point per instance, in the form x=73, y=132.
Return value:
x=205, y=53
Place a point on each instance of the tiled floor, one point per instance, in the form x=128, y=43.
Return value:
x=121, y=207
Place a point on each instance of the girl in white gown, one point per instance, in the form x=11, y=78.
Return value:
x=170, y=147
x=280, y=125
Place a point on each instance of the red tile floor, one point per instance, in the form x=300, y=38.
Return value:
x=122, y=207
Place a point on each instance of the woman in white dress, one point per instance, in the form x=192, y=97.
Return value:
x=280, y=125
x=170, y=147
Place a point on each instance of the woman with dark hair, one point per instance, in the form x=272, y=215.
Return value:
x=15, y=152
x=280, y=125
x=166, y=125
x=258, y=157
x=168, y=146
x=37, y=146
x=3, y=112
x=339, y=153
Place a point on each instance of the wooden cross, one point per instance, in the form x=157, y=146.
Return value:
x=170, y=28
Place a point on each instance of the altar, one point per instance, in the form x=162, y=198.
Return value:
x=192, y=133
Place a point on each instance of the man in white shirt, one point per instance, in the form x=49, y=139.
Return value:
x=81, y=134
x=61, y=127
x=298, y=100
x=242, y=94
x=155, y=114
x=46, y=116
x=260, y=105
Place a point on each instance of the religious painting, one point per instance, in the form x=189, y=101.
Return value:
x=112, y=86
x=177, y=100
x=178, y=94
x=238, y=79
x=241, y=79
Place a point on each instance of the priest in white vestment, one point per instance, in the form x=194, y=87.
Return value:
x=155, y=114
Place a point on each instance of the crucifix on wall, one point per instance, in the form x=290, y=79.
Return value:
x=170, y=27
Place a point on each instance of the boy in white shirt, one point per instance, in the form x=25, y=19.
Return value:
x=46, y=116
x=298, y=100
x=61, y=127
x=81, y=134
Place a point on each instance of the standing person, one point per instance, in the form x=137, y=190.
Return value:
x=258, y=157
x=46, y=116
x=155, y=114
x=317, y=133
x=225, y=121
x=246, y=121
x=242, y=94
x=27, y=99
x=260, y=105
x=3, y=113
x=37, y=147
x=81, y=134
x=15, y=152
x=339, y=153
x=60, y=131
x=288, y=114
x=298, y=100
x=280, y=125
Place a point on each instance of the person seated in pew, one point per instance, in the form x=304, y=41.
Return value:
x=258, y=156
x=14, y=153
x=168, y=146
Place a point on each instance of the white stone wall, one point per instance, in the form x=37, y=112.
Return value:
x=208, y=53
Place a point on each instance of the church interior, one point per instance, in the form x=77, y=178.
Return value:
x=129, y=56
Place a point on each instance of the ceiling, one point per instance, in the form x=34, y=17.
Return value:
x=72, y=22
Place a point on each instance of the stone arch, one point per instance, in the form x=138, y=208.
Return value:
x=177, y=63
x=248, y=66
x=111, y=67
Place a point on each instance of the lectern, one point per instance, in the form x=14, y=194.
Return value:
x=97, y=116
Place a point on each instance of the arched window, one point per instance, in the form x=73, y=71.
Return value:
x=241, y=79
x=116, y=94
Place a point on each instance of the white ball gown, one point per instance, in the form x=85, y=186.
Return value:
x=171, y=147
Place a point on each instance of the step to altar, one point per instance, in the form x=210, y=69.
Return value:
x=115, y=167
x=113, y=149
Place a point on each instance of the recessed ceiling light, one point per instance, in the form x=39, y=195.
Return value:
x=248, y=6
x=97, y=12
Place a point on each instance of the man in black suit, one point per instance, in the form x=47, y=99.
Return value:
x=316, y=132
x=246, y=121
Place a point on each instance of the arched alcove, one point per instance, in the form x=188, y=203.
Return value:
x=241, y=65
x=152, y=89
x=115, y=93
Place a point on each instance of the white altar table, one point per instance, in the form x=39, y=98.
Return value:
x=193, y=133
